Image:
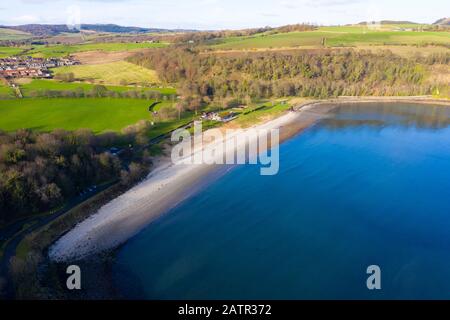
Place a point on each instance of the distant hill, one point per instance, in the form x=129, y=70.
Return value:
x=113, y=28
x=41, y=30
x=12, y=35
x=443, y=22
x=391, y=22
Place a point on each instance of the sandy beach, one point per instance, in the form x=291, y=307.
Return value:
x=169, y=184
x=165, y=187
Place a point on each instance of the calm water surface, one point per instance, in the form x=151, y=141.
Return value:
x=369, y=185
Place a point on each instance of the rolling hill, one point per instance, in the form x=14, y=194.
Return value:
x=443, y=22
x=11, y=34
x=41, y=30
x=390, y=22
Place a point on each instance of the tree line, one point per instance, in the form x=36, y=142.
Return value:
x=317, y=73
x=99, y=91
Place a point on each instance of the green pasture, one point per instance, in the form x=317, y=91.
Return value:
x=54, y=85
x=6, y=52
x=265, y=111
x=5, y=91
x=334, y=37
x=114, y=73
x=97, y=114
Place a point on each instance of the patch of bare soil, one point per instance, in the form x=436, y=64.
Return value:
x=22, y=80
x=65, y=39
x=99, y=57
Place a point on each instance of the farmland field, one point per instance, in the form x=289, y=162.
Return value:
x=334, y=36
x=5, y=91
x=98, y=114
x=10, y=34
x=64, y=50
x=9, y=51
x=40, y=85
x=115, y=73
x=364, y=28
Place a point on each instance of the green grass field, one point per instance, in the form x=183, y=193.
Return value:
x=113, y=73
x=5, y=91
x=10, y=51
x=64, y=50
x=40, y=84
x=382, y=27
x=334, y=37
x=265, y=113
x=98, y=114
x=161, y=128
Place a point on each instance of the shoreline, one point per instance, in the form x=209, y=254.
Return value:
x=168, y=185
x=377, y=99
x=163, y=189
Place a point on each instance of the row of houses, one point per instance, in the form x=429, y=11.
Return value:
x=24, y=72
x=29, y=67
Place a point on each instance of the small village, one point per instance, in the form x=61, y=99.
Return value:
x=29, y=67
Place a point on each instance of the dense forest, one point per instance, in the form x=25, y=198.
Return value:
x=314, y=73
x=39, y=171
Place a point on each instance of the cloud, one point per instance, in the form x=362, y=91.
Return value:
x=208, y=2
x=211, y=14
x=70, y=2
x=267, y=14
x=294, y=4
x=332, y=3
x=37, y=1
x=289, y=4
x=25, y=19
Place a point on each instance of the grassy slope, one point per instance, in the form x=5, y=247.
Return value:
x=64, y=50
x=71, y=114
x=335, y=36
x=161, y=128
x=263, y=114
x=39, y=84
x=112, y=73
x=10, y=34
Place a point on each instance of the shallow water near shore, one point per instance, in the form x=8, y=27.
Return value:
x=369, y=185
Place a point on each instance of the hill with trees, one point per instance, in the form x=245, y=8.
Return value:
x=247, y=76
x=443, y=22
x=45, y=30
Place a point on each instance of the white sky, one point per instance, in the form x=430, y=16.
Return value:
x=219, y=14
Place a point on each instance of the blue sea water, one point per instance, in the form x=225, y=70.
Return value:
x=368, y=186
